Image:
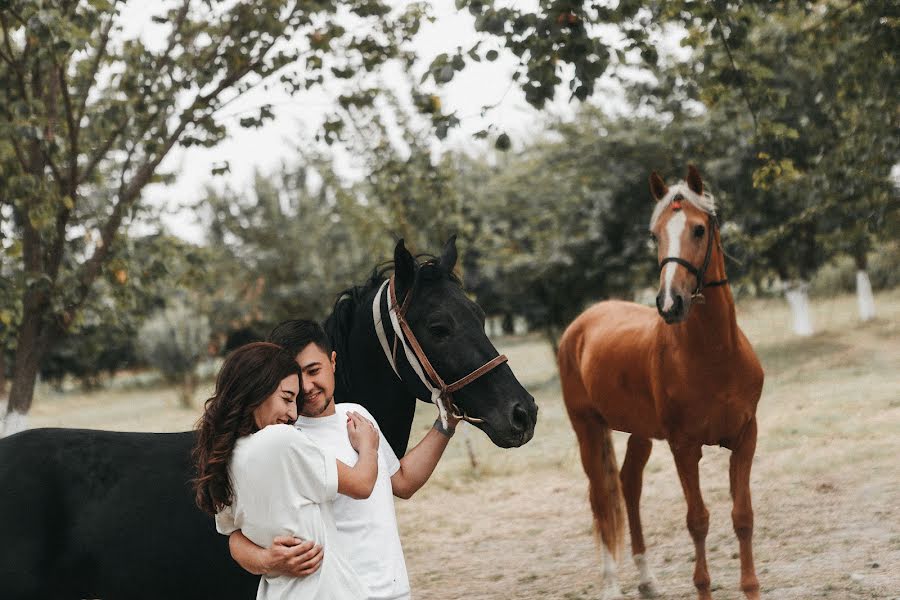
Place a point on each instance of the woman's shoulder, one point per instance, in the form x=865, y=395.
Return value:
x=278, y=436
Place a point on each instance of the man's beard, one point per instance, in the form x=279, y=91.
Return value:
x=325, y=406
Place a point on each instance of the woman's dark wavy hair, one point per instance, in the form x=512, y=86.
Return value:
x=248, y=377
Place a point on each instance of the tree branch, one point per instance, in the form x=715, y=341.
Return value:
x=101, y=153
x=90, y=269
x=20, y=156
x=95, y=66
x=7, y=59
x=125, y=168
x=73, y=131
x=718, y=26
x=17, y=67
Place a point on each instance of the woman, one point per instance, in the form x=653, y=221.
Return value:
x=259, y=474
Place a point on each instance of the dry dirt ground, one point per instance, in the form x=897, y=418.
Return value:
x=826, y=478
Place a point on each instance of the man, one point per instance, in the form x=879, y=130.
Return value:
x=367, y=529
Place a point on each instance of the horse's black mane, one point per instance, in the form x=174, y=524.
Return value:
x=340, y=321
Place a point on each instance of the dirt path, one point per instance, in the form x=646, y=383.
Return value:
x=825, y=484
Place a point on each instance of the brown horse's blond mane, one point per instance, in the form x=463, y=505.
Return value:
x=705, y=202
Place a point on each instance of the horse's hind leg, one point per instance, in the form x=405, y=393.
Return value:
x=687, y=459
x=636, y=457
x=742, y=511
x=599, y=461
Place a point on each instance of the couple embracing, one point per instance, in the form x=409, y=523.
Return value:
x=302, y=486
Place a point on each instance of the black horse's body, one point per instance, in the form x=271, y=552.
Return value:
x=98, y=514
x=101, y=514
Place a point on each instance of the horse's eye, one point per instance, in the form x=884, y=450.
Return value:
x=699, y=230
x=652, y=237
x=439, y=329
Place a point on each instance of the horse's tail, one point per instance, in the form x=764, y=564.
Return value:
x=598, y=455
x=606, y=492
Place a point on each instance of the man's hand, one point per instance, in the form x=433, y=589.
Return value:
x=293, y=557
x=452, y=421
x=418, y=464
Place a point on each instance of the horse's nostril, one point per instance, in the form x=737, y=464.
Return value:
x=519, y=418
x=659, y=302
x=679, y=305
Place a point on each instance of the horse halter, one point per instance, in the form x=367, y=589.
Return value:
x=697, y=294
x=441, y=393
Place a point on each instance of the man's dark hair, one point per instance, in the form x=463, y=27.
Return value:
x=296, y=334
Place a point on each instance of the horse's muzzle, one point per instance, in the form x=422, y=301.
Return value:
x=676, y=313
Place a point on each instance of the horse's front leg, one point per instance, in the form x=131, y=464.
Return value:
x=742, y=511
x=687, y=459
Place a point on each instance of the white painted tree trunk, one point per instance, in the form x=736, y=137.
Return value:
x=520, y=325
x=12, y=422
x=493, y=326
x=798, y=299
x=864, y=296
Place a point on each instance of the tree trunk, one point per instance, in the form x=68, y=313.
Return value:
x=508, y=324
x=551, y=334
x=186, y=390
x=798, y=298
x=864, y=297
x=29, y=351
x=4, y=397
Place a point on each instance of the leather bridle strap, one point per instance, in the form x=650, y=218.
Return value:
x=441, y=393
x=700, y=273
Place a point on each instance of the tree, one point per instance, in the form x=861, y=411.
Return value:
x=564, y=223
x=174, y=341
x=286, y=249
x=807, y=94
x=87, y=115
x=145, y=275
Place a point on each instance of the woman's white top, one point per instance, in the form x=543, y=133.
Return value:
x=284, y=484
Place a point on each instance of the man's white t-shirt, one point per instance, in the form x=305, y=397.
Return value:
x=367, y=529
x=284, y=483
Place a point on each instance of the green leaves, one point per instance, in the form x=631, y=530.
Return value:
x=90, y=112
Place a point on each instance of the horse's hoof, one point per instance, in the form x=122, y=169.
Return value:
x=648, y=589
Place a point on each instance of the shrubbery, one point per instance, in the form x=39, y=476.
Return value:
x=839, y=275
x=174, y=341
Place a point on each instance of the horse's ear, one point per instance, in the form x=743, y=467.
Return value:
x=693, y=180
x=449, y=255
x=658, y=187
x=404, y=268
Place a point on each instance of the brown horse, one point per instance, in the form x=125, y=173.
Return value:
x=684, y=373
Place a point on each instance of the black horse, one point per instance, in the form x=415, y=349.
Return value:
x=98, y=514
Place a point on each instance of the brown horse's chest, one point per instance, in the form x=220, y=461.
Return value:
x=711, y=408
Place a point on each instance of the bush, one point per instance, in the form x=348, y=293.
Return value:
x=839, y=275
x=174, y=341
